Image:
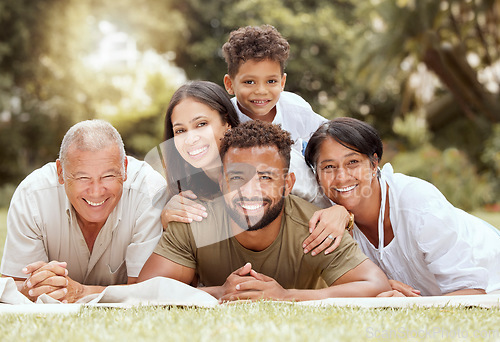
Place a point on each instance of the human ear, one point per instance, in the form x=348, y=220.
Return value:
x=289, y=183
x=59, y=172
x=283, y=81
x=228, y=84
x=125, y=165
x=375, y=161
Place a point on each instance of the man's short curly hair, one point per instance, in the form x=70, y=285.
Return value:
x=258, y=133
x=255, y=42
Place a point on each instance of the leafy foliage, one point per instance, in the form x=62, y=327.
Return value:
x=348, y=58
x=450, y=171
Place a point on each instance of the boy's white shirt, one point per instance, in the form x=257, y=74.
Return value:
x=294, y=114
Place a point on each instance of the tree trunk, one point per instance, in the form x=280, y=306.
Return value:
x=451, y=66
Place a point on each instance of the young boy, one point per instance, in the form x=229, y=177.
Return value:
x=256, y=58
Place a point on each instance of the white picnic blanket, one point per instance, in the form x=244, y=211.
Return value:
x=164, y=291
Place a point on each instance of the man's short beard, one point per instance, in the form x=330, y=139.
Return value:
x=269, y=216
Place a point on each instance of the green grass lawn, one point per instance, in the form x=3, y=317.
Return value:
x=261, y=321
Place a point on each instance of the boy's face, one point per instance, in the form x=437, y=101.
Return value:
x=257, y=86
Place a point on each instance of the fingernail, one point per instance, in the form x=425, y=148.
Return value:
x=204, y=214
x=25, y=270
x=65, y=290
x=190, y=220
x=326, y=253
x=65, y=272
x=30, y=292
x=28, y=283
x=313, y=253
x=306, y=251
x=238, y=287
x=304, y=245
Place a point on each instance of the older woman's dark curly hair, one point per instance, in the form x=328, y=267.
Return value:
x=258, y=133
x=255, y=42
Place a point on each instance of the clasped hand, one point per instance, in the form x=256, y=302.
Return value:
x=52, y=279
x=247, y=284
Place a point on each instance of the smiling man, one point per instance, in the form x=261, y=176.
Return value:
x=89, y=220
x=250, y=245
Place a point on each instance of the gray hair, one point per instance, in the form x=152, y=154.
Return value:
x=91, y=135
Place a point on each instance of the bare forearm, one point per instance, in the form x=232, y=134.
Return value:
x=215, y=291
x=90, y=289
x=466, y=292
x=354, y=289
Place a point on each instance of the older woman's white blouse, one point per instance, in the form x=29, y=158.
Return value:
x=437, y=248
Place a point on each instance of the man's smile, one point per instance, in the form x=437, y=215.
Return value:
x=94, y=204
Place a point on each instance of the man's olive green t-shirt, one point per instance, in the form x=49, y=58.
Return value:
x=211, y=249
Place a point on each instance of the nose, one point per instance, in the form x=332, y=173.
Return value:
x=251, y=189
x=192, y=138
x=261, y=88
x=341, y=174
x=96, y=187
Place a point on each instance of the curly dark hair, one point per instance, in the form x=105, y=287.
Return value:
x=258, y=133
x=255, y=42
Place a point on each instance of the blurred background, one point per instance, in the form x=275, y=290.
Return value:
x=425, y=73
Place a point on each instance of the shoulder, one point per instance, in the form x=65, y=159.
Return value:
x=412, y=191
x=44, y=177
x=297, y=116
x=299, y=211
x=287, y=97
x=141, y=177
x=43, y=180
x=138, y=170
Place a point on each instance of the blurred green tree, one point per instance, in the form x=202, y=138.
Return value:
x=47, y=84
x=319, y=33
x=40, y=94
x=458, y=42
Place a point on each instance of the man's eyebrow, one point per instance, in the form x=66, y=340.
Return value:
x=272, y=173
x=82, y=173
x=239, y=172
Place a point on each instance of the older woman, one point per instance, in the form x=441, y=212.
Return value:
x=404, y=224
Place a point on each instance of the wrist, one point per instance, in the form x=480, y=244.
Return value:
x=350, y=223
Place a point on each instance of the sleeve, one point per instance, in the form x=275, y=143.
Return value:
x=176, y=244
x=147, y=227
x=445, y=241
x=344, y=258
x=24, y=243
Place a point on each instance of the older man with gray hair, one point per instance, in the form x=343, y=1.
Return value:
x=89, y=220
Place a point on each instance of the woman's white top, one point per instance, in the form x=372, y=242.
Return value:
x=437, y=248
